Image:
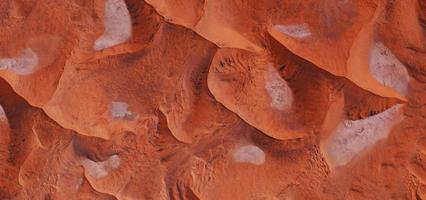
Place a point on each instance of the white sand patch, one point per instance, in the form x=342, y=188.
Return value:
x=352, y=137
x=278, y=89
x=120, y=110
x=2, y=114
x=101, y=169
x=78, y=184
x=25, y=64
x=118, y=25
x=387, y=69
x=296, y=31
x=249, y=154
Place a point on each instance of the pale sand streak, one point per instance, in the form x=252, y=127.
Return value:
x=249, y=154
x=26, y=63
x=277, y=88
x=118, y=25
x=352, y=137
x=387, y=69
x=101, y=169
x=2, y=114
x=296, y=30
x=120, y=110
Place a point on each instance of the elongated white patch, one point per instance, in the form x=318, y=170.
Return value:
x=352, y=137
x=295, y=31
x=387, y=69
x=249, y=154
x=26, y=63
x=101, y=169
x=2, y=114
x=278, y=89
x=118, y=25
x=78, y=184
x=120, y=110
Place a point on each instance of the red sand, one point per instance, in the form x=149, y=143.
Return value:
x=212, y=99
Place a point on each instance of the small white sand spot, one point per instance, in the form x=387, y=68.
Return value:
x=2, y=114
x=101, y=169
x=118, y=25
x=296, y=30
x=278, y=89
x=78, y=184
x=249, y=154
x=387, y=69
x=353, y=137
x=26, y=63
x=120, y=110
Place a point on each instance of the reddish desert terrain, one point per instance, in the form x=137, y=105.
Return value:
x=212, y=99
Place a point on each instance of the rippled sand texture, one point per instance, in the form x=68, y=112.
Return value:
x=212, y=99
